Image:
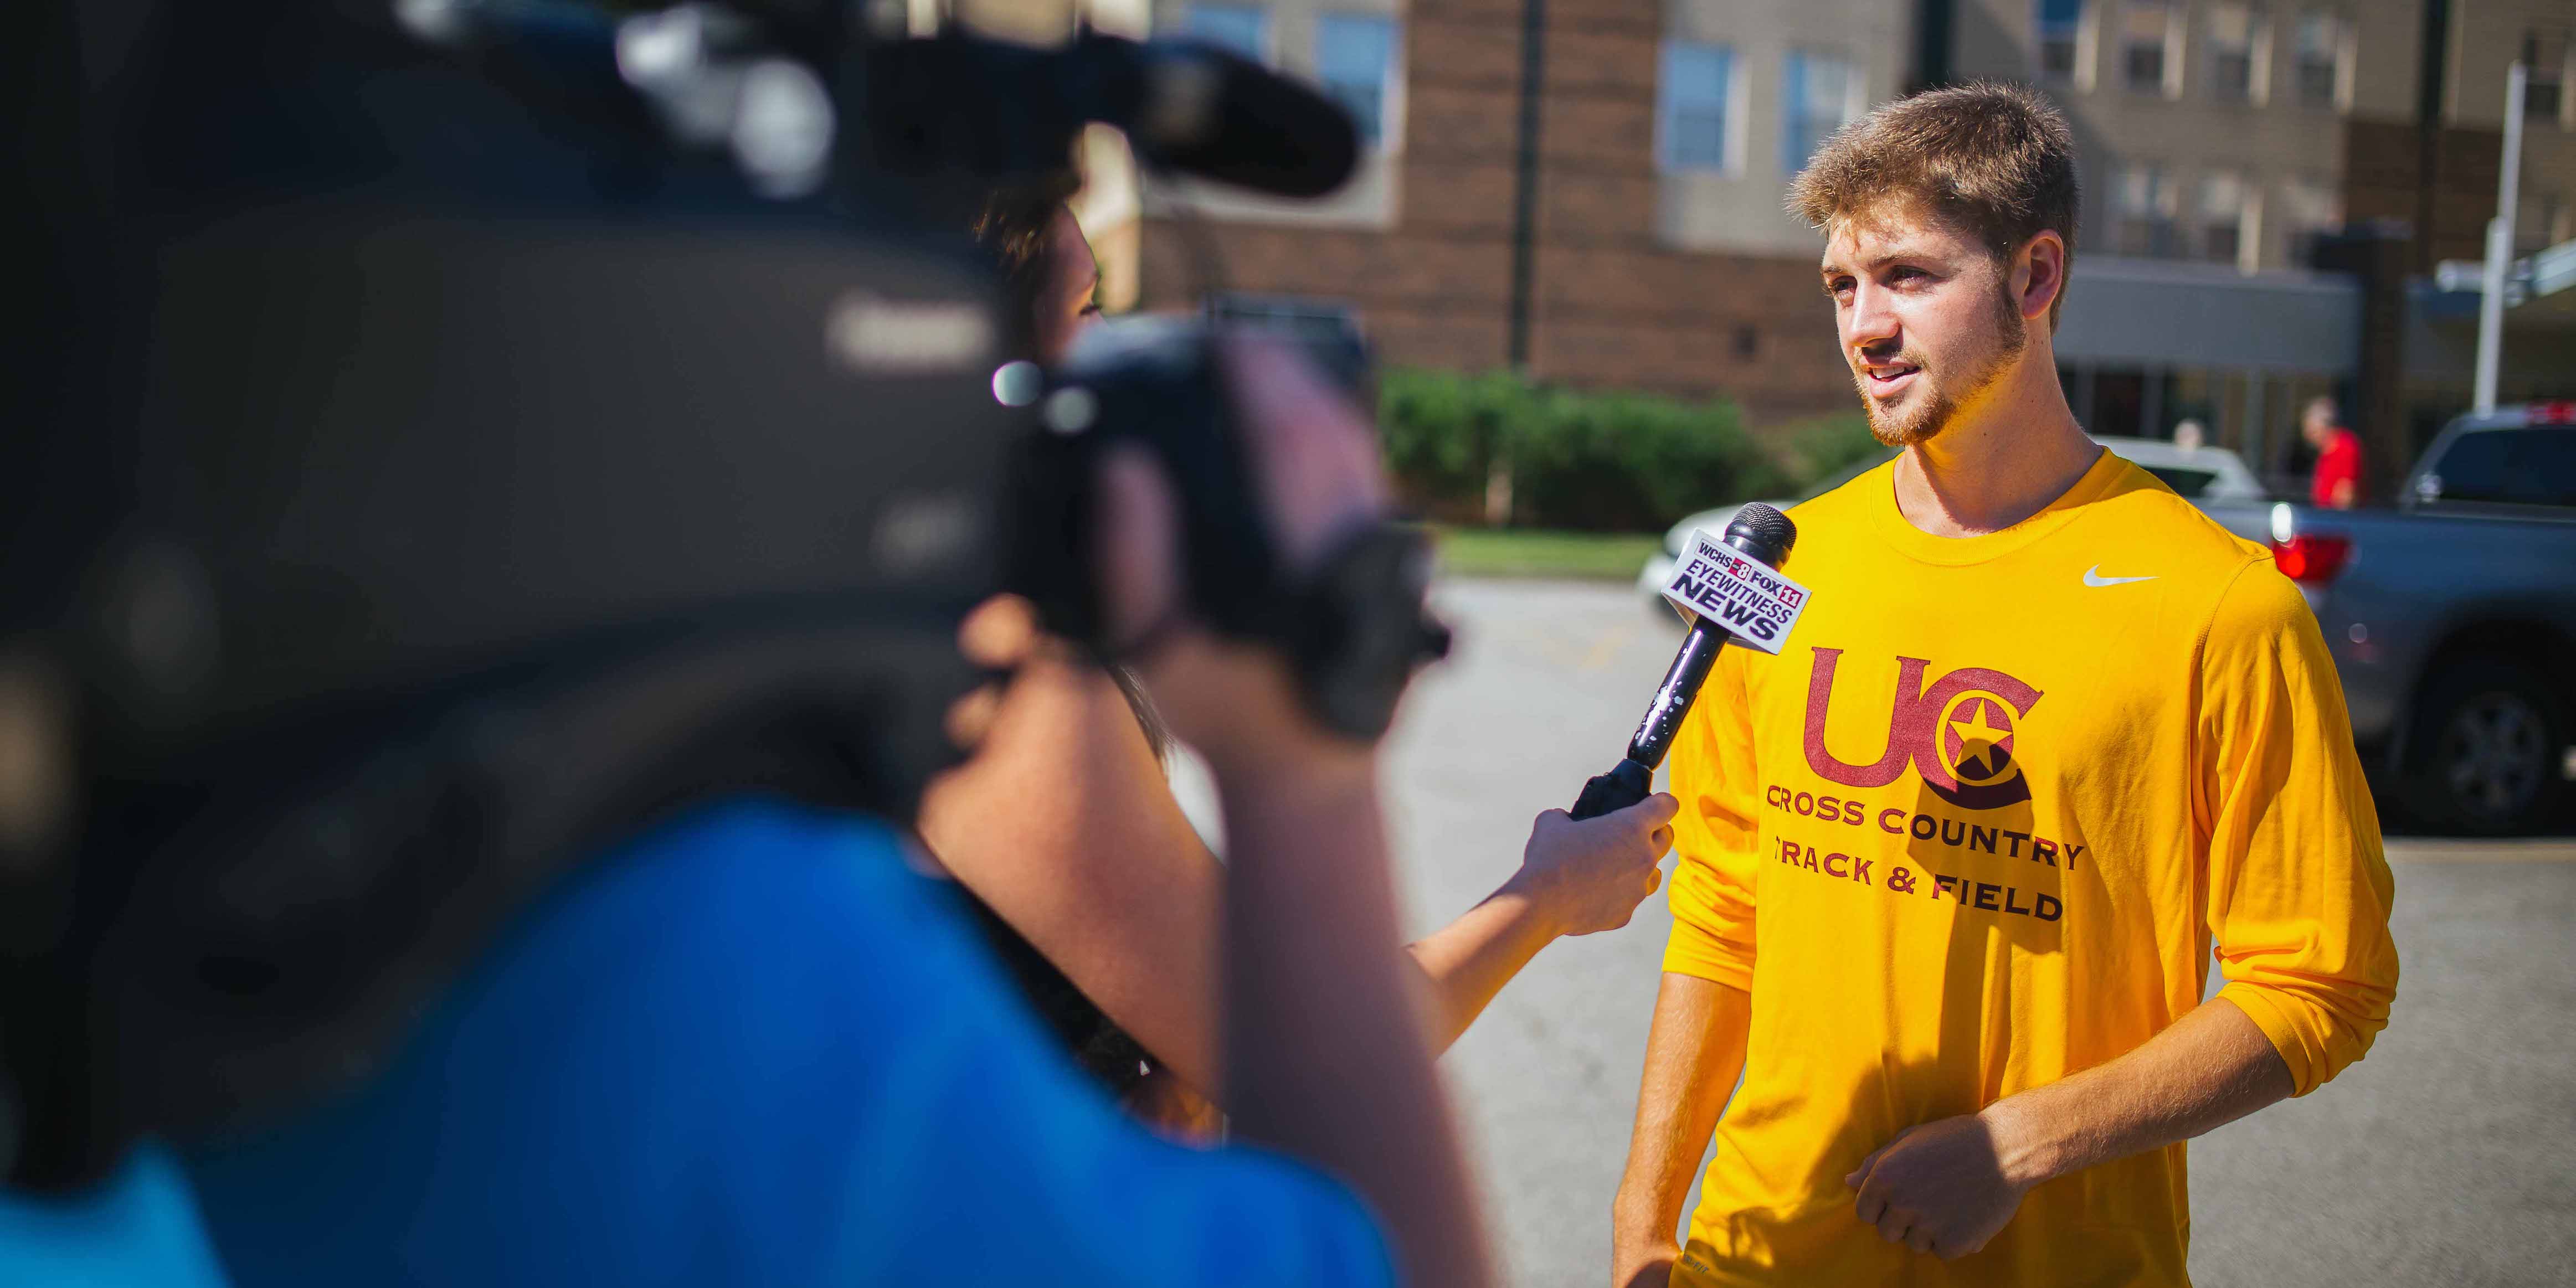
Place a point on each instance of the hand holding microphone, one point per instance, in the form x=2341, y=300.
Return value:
x=1590, y=875
x=1732, y=602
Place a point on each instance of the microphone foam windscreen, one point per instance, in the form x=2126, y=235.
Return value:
x=1230, y=119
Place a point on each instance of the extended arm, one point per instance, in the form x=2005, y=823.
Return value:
x=1064, y=825
x=1693, y=1056
x=1947, y=1187
x=1576, y=878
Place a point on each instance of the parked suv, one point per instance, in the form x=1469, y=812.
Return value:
x=2452, y=617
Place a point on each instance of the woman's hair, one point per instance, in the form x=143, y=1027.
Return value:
x=1013, y=225
x=1157, y=734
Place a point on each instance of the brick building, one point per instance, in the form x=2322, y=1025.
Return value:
x=2223, y=144
x=1660, y=257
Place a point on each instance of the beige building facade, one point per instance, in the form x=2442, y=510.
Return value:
x=2210, y=130
x=2485, y=39
x=2230, y=149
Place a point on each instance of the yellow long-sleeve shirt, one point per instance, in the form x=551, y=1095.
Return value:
x=1976, y=827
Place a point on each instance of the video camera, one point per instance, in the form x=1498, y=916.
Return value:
x=472, y=429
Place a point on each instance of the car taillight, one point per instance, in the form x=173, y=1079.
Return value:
x=2310, y=559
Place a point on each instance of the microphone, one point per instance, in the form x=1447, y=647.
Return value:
x=1764, y=604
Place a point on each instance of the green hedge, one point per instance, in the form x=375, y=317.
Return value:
x=1827, y=445
x=1607, y=461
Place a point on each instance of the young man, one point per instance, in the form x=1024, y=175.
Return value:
x=1953, y=862
x=2336, y=484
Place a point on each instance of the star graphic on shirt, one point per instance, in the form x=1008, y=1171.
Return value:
x=1979, y=748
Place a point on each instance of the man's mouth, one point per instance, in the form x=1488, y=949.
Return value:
x=1888, y=379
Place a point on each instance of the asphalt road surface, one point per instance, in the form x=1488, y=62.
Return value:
x=2446, y=1157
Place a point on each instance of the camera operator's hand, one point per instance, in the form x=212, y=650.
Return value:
x=1318, y=479
x=1323, y=1051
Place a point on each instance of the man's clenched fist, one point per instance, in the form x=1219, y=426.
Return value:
x=1939, y=1188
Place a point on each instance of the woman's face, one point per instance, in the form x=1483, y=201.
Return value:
x=1069, y=300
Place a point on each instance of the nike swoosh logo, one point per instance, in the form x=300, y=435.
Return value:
x=2093, y=577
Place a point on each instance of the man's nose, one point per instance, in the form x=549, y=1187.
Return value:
x=1872, y=319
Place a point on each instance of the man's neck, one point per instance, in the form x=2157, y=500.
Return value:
x=2000, y=462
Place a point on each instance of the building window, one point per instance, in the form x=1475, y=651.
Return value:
x=1242, y=28
x=2310, y=212
x=1693, y=93
x=2222, y=217
x=2055, y=25
x=1818, y=93
x=2238, y=52
x=2544, y=89
x=1355, y=58
x=2317, y=56
x=2146, y=35
x=2148, y=208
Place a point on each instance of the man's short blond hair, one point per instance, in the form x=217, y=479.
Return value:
x=1994, y=161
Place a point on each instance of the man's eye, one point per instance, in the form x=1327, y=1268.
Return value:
x=1907, y=275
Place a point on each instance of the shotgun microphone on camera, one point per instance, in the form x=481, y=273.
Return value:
x=1759, y=533
x=994, y=107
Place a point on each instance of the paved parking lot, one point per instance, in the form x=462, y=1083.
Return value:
x=2447, y=1157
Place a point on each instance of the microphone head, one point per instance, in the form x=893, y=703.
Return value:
x=1762, y=532
x=1221, y=116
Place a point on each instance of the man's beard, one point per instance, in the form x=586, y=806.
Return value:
x=1934, y=414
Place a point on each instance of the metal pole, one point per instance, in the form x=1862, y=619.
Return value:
x=1525, y=178
x=1498, y=469
x=2258, y=436
x=2500, y=243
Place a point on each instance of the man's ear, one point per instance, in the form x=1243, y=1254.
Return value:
x=2039, y=274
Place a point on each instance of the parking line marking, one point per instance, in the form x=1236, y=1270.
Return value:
x=1606, y=647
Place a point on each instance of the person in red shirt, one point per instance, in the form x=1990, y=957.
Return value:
x=2336, y=485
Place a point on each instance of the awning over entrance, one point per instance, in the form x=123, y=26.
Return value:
x=2161, y=315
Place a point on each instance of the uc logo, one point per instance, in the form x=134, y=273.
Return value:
x=1958, y=732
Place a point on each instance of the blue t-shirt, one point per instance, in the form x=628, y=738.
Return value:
x=754, y=1048
x=137, y=1229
